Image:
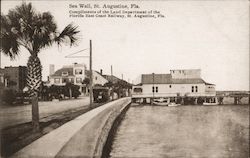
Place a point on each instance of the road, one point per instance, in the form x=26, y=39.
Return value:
x=183, y=131
x=13, y=115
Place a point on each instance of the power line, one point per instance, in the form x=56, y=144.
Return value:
x=70, y=55
x=76, y=56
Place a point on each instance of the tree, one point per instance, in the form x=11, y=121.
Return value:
x=25, y=27
x=110, y=85
x=86, y=81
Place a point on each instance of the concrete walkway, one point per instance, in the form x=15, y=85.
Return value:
x=78, y=137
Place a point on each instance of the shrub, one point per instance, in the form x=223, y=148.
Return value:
x=9, y=96
x=74, y=89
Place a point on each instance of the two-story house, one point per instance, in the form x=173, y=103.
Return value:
x=74, y=74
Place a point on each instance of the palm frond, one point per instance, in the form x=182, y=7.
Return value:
x=23, y=26
x=69, y=32
x=43, y=28
x=8, y=38
x=9, y=45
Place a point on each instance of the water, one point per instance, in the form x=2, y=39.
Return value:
x=183, y=131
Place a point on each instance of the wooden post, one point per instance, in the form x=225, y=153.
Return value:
x=182, y=101
x=153, y=86
x=90, y=74
x=235, y=100
x=195, y=101
x=70, y=93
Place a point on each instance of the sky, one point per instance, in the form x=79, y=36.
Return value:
x=209, y=35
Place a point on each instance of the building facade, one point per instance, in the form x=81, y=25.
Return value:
x=98, y=78
x=67, y=74
x=177, y=83
x=75, y=74
x=13, y=77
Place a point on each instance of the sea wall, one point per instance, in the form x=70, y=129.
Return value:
x=84, y=136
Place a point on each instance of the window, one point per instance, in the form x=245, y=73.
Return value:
x=65, y=73
x=196, y=88
x=71, y=80
x=192, y=88
x=153, y=89
x=96, y=78
x=78, y=71
x=156, y=89
x=57, y=80
x=170, y=86
x=78, y=80
x=64, y=80
x=138, y=90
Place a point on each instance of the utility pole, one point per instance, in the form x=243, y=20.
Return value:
x=90, y=74
x=72, y=55
x=111, y=70
x=112, y=81
x=153, y=85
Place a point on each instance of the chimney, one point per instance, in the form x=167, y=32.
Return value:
x=101, y=71
x=51, y=69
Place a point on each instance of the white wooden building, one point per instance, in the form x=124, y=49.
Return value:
x=178, y=83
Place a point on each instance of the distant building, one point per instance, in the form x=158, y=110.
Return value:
x=98, y=78
x=177, y=83
x=75, y=74
x=112, y=78
x=14, y=77
x=71, y=73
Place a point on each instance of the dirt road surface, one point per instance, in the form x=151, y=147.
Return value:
x=13, y=115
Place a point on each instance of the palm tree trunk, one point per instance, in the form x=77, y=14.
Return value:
x=35, y=113
x=34, y=80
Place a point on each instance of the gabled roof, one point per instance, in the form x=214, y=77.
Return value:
x=167, y=79
x=112, y=79
x=88, y=74
x=64, y=69
x=209, y=84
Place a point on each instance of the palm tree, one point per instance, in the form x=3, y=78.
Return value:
x=24, y=27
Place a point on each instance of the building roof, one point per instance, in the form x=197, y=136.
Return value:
x=64, y=69
x=88, y=74
x=156, y=78
x=167, y=79
x=111, y=78
x=209, y=84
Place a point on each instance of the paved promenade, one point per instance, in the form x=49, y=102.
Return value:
x=13, y=115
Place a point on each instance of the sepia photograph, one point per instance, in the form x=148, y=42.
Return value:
x=124, y=79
